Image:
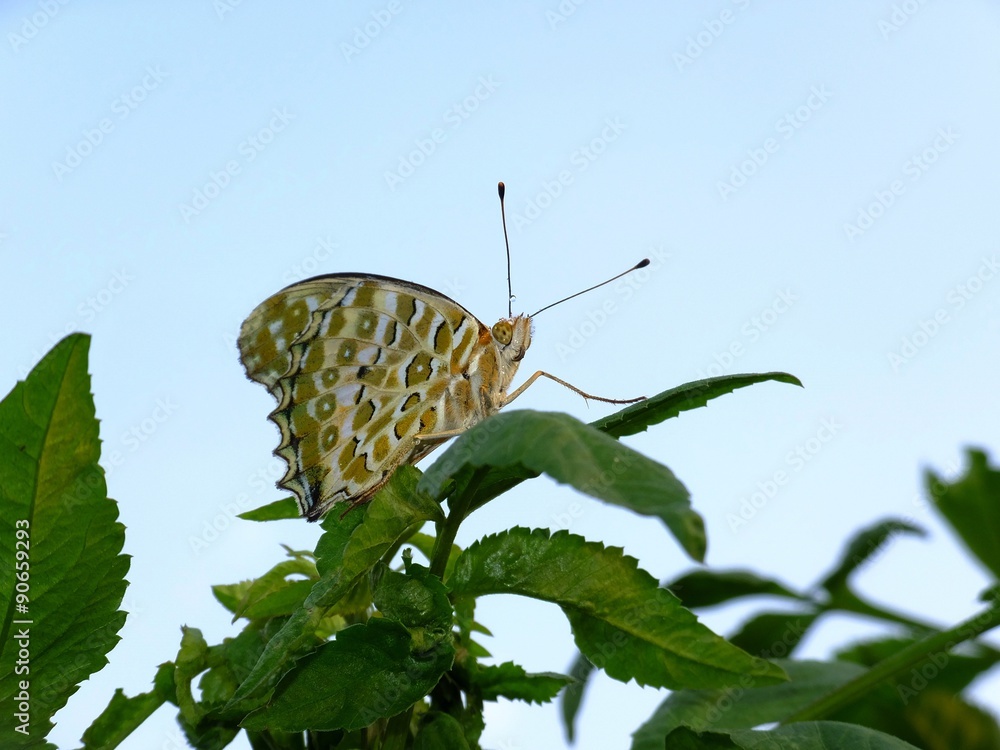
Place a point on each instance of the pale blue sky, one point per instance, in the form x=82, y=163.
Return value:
x=624, y=124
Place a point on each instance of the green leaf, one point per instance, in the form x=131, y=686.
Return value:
x=628, y=421
x=286, y=507
x=425, y=544
x=62, y=574
x=355, y=546
x=441, y=732
x=622, y=620
x=368, y=673
x=229, y=595
x=866, y=544
x=576, y=454
x=951, y=672
x=417, y=600
x=509, y=680
x=908, y=705
x=572, y=696
x=704, y=588
x=192, y=660
x=773, y=635
x=274, y=594
x=637, y=417
x=123, y=715
x=972, y=506
x=337, y=532
x=745, y=705
x=815, y=735
x=944, y=720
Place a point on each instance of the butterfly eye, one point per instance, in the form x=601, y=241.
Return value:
x=503, y=332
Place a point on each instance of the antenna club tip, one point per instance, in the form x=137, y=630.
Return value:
x=641, y=264
x=500, y=189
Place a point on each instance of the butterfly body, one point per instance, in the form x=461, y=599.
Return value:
x=371, y=372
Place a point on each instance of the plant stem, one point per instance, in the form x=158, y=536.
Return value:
x=848, y=601
x=397, y=731
x=458, y=508
x=896, y=664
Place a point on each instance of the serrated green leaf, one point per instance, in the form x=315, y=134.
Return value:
x=279, y=510
x=971, y=505
x=630, y=420
x=814, y=735
x=509, y=680
x=62, y=574
x=867, y=543
x=576, y=454
x=368, y=673
x=637, y=417
x=572, y=696
x=745, y=705
x=441, y=732
x=123, y=715
x=704, y=588
x=622, y=620
x=354, y=548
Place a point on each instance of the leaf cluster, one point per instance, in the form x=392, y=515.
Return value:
x=372, y=641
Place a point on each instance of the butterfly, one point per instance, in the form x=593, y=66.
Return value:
x=372, y=372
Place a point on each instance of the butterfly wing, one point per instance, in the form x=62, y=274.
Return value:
x=359, y=365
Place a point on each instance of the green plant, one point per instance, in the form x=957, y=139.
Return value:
x=371, y=640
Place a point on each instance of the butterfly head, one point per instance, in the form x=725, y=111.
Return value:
x=513, y=337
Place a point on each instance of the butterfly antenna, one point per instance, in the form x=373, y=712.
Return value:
x=641, y=264
x=503, y=217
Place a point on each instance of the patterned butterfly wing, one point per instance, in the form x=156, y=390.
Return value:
x=360, y=365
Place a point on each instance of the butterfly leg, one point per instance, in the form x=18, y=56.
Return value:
x=541, y=373
x=437, y=436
